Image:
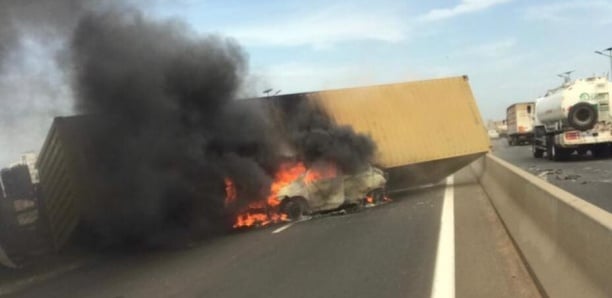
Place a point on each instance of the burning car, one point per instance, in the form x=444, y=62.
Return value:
x=298, y=191
x=322, y=189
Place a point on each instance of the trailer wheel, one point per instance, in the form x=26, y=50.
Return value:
x=582, y=116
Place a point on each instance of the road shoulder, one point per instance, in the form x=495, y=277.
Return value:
x=487, y=262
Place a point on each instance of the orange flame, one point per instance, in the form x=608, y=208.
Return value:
x=249, y=219
x=264, y=212
x=369, y=200
x=287, y=173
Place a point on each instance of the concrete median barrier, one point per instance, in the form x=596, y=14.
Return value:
x=566, y=241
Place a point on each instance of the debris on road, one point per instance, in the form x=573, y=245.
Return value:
x=572, y=177
x=557, y=173
x=547, y=172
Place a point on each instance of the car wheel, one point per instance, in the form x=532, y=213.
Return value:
x=378, y=195
x=294, y=208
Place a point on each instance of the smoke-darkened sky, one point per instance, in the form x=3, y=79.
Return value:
x=32, y=88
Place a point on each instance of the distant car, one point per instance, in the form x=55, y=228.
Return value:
x=303, y=197
x=493, y=134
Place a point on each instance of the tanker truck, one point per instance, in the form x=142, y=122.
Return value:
x=574, y=117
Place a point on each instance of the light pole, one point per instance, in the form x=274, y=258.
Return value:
x=609, y=55
x=268, y=91
x=566, y=76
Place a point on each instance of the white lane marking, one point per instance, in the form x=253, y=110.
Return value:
x=444, y=274
x=302, y=218
x=283, y=228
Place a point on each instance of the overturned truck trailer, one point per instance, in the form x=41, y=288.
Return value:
x=424, y=131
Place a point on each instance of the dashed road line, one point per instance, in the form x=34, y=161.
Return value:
x=304, y=218
x=283, y=228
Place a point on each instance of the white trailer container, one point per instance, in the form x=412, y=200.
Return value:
x=574, y=118
x=519, y=121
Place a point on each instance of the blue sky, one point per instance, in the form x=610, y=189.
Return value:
x=511, y=50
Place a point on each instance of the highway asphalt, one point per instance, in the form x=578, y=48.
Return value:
x=584, y=176
x=386, y=251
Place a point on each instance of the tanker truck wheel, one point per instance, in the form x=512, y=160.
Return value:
x=549, y=147
x=601, y=151
x=560, y=153
x=554, y=152
x=582, y=116
x=537, y=152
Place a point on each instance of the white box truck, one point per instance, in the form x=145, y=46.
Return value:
x=519, y=120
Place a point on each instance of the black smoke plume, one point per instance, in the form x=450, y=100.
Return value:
x=316, y=137
x=8, y=36
x=173, y=128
